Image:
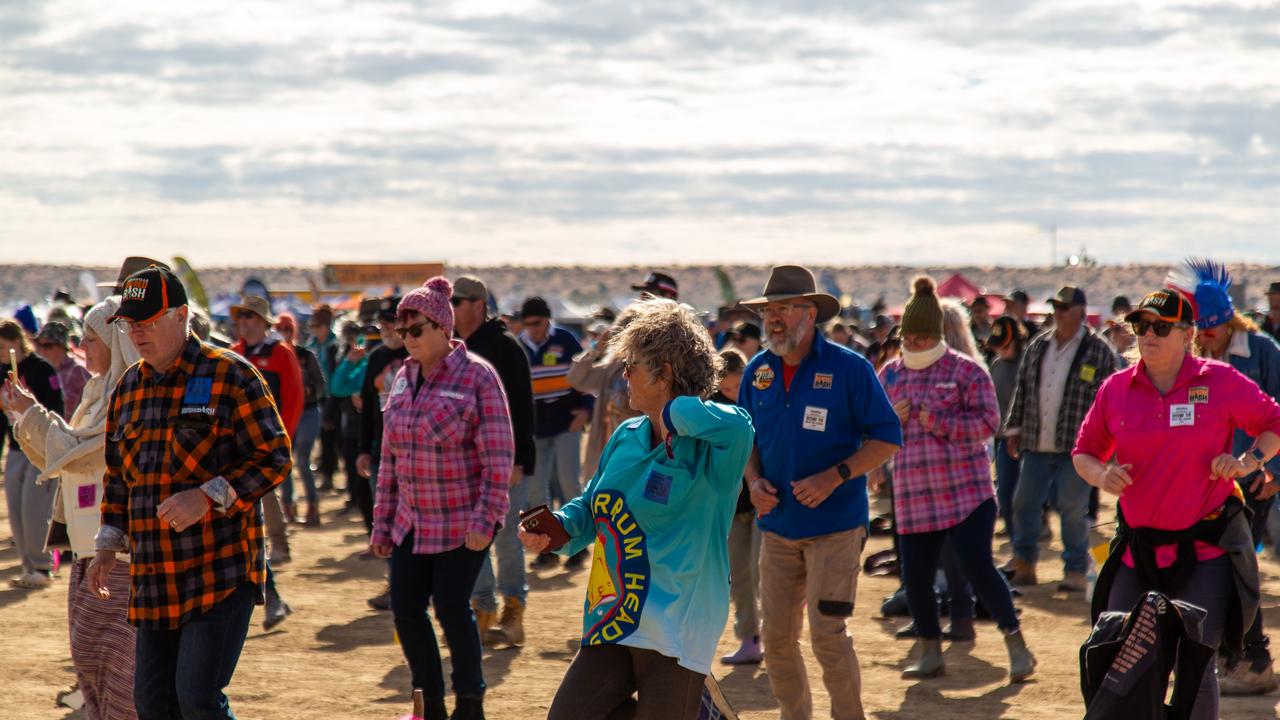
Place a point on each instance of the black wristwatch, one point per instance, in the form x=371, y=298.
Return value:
x=1258, y=455
x=845, y=471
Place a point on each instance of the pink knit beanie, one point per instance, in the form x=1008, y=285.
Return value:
x=432, y=300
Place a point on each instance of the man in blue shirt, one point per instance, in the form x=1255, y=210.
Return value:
x=822, y=421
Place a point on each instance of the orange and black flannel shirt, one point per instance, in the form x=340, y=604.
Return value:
x=207, y=423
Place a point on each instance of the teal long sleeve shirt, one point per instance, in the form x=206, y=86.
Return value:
x=659, y=518
x=348, y=378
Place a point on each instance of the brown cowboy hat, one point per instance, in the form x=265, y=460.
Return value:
x=256, y=305
x=788, y=282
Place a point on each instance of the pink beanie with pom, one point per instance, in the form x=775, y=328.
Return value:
x=432, y=300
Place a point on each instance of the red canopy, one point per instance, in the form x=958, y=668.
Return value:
x=958, y=286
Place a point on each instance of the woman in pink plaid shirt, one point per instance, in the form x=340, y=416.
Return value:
x=942, y=479
x=447, y=456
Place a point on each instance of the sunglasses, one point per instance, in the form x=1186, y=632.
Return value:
x=456, y=301
x=1161, y=327
x=416, y=329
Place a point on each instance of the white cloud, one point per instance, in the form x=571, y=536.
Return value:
x=612, y=133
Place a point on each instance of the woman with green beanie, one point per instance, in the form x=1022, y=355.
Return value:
x=942, y=479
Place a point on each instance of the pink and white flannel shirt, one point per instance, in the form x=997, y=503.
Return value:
x=1171, y=441
x=447, y=454
x=942, y=475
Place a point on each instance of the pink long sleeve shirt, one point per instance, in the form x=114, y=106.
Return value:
x=447, y=454
x=1171, y=441
x=942, y=474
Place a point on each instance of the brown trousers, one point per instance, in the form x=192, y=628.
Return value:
x=822, y=573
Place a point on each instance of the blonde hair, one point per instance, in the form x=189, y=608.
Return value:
x=956, y=331
x=664, y=332
x=1237, y=324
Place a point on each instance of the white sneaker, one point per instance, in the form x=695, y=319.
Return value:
x=32, y=581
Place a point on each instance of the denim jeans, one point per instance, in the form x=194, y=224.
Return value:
x=30, y=509
x=511, y=578
x=1006, y=482
x=304, y=440
x=180, y=674
x=1212, y=587
x=444, y=580
x=557, y=468
x=971, y=541
x=1041, y=473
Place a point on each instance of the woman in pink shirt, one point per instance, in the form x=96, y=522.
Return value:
x=447, y=455
x=1168, y=423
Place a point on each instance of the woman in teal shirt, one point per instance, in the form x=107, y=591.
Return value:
x=658, y=512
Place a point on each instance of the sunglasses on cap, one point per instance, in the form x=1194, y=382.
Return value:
x=1162, y=328
x=416, y=329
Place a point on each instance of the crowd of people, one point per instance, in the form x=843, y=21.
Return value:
x=688, y=465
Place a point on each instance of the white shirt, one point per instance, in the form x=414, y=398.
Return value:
x=1054, y=369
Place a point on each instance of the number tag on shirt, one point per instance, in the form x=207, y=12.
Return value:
x=87, y=496
x=1088, y=373
x=550, y=358
x=815, y=418
x=401, y=384
x=1182, y=415
x=658, y=487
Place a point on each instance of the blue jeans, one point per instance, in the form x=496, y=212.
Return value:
x=304, y=440
x=1006, y=482
x=1212, y=587
x=511, y=578
x=557, y=468
x=1041, y=473
x=444, y=580
x=971, y=541
x=180, y=674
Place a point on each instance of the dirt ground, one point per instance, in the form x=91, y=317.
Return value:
x=335, y=657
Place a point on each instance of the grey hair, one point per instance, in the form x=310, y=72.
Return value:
x=956, y=331
x=666, y=332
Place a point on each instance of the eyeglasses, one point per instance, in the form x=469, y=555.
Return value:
x=1161, y=327
x=128, y=326
x=783, y=310
x=416, y=329
x=456, y=301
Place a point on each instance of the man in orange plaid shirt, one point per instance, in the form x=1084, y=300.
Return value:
x=194, y=440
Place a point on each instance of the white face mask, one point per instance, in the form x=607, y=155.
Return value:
x=923, y=359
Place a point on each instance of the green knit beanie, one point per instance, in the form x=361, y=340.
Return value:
x=923, y=314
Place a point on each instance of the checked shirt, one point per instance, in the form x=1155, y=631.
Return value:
x=207, y=423
x=1094, y=362
x=447, y=454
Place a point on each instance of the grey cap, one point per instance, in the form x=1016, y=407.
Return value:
x=469, y=287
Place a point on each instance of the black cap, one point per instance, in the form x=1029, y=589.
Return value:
x=1274, y=289
x=147, y=294
x=387, y=308
x=659, y=284
x=1121, y=302
x=1018, y=296
x=535, y=307
x=131, y=265
x=1004, y=331
x=1068, y=296
x=1168, y=305
x=747, y=330
x=981, y=300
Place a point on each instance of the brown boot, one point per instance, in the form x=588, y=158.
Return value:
x=484, y=619
x=510, y=630
x=1024, y=573
x=313, y=516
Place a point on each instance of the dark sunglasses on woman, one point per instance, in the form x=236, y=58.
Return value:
x=1162, y=327
x=415, y=329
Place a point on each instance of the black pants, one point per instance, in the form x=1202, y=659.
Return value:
x=1256, y=643
x=444, y=580
x=602, y=679
x=330, y=438
x=359, y=489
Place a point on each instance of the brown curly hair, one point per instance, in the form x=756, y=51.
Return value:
x=666, y=332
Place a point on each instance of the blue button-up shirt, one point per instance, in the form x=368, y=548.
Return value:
x=834, y=404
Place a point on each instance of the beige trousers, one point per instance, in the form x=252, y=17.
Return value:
x=822, y=574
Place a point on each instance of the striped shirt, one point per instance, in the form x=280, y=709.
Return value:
x=553, y=398
x=209, y=422
x=943, y=474
x=447, y=454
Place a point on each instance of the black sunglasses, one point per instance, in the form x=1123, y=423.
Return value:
x=416, y=329
x=456, y=301
x=1162, y=327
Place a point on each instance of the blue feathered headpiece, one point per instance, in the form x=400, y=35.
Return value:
x=1207, y=284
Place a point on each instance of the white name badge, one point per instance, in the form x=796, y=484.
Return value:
x=815, y=418
x=1182, y=415
x=401, y=384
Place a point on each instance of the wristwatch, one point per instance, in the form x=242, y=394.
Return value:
x=845, y=471
x=1258, y=455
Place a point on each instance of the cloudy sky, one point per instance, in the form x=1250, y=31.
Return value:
x=841, y=131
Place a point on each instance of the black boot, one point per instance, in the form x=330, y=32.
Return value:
x=428, y=708
x=468, y=708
